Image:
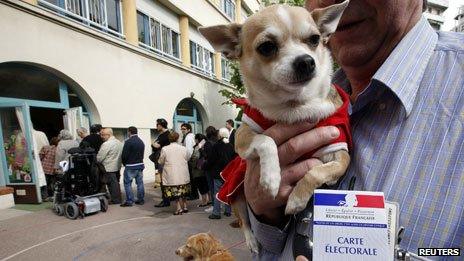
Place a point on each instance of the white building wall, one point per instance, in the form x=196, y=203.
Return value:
x=127, y=86
x=195, y=36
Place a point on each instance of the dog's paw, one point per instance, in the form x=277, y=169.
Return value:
x=296, y=204
x=270, y=179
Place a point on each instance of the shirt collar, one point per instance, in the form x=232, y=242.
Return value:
x=404, y=68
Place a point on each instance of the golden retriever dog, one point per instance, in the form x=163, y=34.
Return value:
x=204, y=247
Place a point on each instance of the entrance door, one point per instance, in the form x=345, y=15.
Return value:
x=73, y=119
x=17, y=156
x=186, y=112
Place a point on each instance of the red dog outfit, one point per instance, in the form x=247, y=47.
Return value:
x=234, y=173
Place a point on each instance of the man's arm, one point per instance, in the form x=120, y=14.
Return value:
x=189, y=143
x=125, y=152
x=162, y=157
x=102, y=152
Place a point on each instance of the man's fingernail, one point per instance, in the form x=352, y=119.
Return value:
x=334, y=132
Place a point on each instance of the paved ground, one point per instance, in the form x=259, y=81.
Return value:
x=135, y=233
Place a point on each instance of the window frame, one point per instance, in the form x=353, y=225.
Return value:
x=203, y=59
x=62, y=8
x=153, y=41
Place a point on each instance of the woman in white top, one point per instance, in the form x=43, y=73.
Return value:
x=175, y=176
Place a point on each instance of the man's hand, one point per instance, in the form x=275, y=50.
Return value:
x=293, y=141
x=156, y=145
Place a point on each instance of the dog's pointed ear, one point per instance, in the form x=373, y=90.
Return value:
x=224, y=39
x=327, y=18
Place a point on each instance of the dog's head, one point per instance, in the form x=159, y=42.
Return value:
x=283, y=54
x=199, y=246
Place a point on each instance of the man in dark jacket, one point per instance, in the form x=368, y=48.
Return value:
x=221, y=154
x=161, y=141
x=94, y=140
x=230, y=127
x=132, y=159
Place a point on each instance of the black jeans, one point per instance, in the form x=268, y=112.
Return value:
x=113, y=186
x=51, y=179
x=165, y=201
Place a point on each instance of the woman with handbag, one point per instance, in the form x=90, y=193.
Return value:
x=196, y=163
x=176, y=178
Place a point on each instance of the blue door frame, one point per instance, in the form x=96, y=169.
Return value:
x=28, y=135
x=179, y=119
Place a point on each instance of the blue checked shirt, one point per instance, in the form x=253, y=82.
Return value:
x=408, y=135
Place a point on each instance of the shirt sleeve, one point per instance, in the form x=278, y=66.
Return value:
x=162, y=157
x=102, y=153
x=272, y=239
x=189, y=143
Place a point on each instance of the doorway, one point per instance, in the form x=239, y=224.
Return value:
x=47, y=120
x=188, y=112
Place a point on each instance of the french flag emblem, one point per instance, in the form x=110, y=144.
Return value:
x=357, y=200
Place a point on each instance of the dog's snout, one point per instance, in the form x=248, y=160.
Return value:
x=177, y=252
x=304, y=65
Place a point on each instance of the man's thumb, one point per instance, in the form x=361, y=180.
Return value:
x=301, y=258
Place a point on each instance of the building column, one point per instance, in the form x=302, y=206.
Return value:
x=218, y=66
x=184, y=40
x=238, y=11
x=32, y=2
x=129, y=15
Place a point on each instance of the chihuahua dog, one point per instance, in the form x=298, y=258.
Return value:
x=286, y=67
x=204, y=247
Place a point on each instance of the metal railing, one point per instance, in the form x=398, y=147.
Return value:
x=89, y=12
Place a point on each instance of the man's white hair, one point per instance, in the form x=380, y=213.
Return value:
x=81, y=130
x=224, y=134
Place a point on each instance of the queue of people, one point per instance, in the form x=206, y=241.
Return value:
x=189, y=164
x=192, y=170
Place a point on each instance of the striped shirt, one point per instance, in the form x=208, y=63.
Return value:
x=408, y=136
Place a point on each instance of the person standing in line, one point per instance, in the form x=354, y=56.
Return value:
x=94, y=140
x=109, y=156
x=40, y=140
x=221, y=154
x=198, y=174
x=66, y=142
x=157, y=146
x=211, y=139
x=47, y=158
x=176, y=178
x=81, y=134
x=132, y=159
x=230, y=128
x=188, y=141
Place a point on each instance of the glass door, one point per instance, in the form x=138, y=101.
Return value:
x=17, y=159
x=73, y=119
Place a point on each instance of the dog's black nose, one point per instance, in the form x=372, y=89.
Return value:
x=304, y=65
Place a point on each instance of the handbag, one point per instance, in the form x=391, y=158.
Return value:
x=155, y=156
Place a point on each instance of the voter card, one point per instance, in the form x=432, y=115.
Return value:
x=350, y=225
x=391, y=209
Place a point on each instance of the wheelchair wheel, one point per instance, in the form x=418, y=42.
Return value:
x=58, y=209
x=103, y=204
x=71, y=210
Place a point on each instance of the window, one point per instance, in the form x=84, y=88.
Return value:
x=226, y=72
x=105, y=15
x=113, y=15
x=142, y=30
x=155, y=34
x=158, y=37
x=201, y=59
x=228, y=7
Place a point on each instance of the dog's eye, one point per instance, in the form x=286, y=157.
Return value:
x=267, y=48
x=313, y=40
